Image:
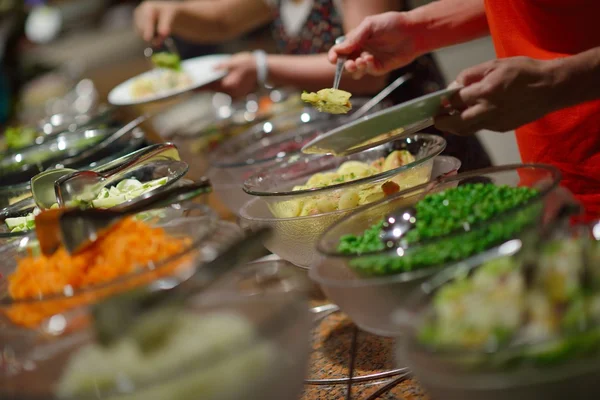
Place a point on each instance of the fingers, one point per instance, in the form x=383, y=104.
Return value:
x=475, y=74
x=454, y=124
x=354, y=41
x=464, y=123
x=164, y=25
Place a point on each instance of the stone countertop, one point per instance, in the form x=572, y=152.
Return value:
x=347, y=363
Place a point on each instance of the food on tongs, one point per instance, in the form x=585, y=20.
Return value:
x=332, y=101
x=167, y=60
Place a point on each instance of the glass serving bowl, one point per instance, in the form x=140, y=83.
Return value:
x=565, y=366
x=198, y=134
x=170, y=169
x=295, y=238
x=33, y=315
x=69, y=149
x=264, y=145
x=250, y=344
x=13, y=193
x=370, y=300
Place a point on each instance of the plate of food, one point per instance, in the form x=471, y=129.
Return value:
x=169, y=78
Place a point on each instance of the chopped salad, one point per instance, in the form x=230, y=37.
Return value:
x=550, y=310
x=123, y=191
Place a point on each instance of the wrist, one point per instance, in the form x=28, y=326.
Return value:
x=416, y=26
x=561, y=82
x=262, y=67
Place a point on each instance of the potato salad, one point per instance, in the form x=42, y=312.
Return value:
x=346, y=198
x=332, y=101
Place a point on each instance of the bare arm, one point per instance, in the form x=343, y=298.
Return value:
x=314, y=72
x=448, y=22
x=577, y=78
x=200, y=21
x=387, y=41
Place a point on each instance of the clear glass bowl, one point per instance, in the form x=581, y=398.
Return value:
x=370, y=300
x=32, y=315
x=262, y=146
x=69, y=149
x=12, y=193
x=295, y=238
x=170, y=169
x=250, y=344
x=198, y=135
x=455, y=374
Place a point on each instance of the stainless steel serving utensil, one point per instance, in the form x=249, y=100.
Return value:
x=412, y=116
x=379, y=97
x=396, y=225
x=339, y=66
x=42, y=185
x=86, y=185
x=76, y=229
x=145, y=313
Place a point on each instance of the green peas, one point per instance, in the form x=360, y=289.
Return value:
x=440, y=214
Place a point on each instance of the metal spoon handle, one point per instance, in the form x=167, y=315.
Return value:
x=164, y=197
x=170, y=45
x=339, y=67
x=380, y=96
x=162, y=151
x=112, y=165
x=18, y=207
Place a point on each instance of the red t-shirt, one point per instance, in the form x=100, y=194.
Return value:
x=568, y=139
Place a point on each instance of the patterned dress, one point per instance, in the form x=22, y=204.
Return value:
x=323, y=23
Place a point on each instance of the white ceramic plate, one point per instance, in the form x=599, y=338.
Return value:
x=200, y=69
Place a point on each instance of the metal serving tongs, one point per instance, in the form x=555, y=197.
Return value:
x=146, y=313
x=76, y=229
x=86, y=185
x=339, y=66
x=42, y=184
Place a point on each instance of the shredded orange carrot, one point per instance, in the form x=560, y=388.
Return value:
x=130, y=246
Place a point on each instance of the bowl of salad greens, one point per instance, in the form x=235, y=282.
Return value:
x=522, y=323
x=69, y=149
x=137, y=182
x=301, y=197
x=457, y=219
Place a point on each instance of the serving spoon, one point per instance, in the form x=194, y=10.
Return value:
x=86, y=185
x=398, y=223
x=76, y=229
x=42, y=185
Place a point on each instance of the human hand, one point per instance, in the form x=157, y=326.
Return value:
x=501, y=95
x=241, y=78
x=154, y=20
x=380, y=44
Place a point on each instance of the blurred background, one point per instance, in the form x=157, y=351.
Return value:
x=47, y=48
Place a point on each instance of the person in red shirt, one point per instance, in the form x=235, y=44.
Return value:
x=545, y=82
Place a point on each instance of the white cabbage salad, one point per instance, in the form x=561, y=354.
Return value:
x=352, y=196
x=123, y=191
x=161, y=81
x=214, y=356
